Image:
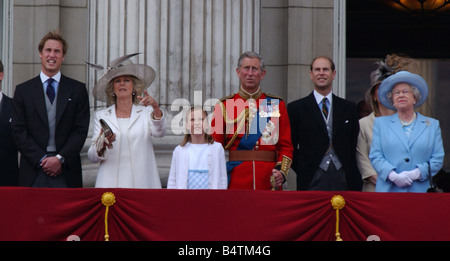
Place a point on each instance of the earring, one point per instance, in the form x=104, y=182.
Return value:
x=134, y=93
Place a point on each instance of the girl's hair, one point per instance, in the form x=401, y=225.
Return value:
x=187, y=137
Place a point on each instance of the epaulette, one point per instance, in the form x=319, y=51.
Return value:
x=228, y=97
x=274, y=96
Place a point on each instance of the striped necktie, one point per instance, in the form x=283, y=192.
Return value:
x=325, y=108
x=50, y=90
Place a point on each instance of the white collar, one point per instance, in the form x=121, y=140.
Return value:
x=56, y=77
x=319, y=97
x=1, y=96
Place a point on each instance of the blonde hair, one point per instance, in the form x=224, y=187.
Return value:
x=187, y=137
x=138, y=89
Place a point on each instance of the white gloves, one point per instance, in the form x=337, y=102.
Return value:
x=401, y=180
x=405, y=178
x=413, y=174
x=99, y=142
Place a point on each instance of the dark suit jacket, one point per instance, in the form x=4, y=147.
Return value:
x=31, y=131
x=8, y=151
x=311, y=142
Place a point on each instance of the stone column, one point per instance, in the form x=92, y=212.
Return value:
x=311, y=33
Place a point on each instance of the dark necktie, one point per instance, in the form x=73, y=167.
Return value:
x=325, y=108
x=50, y=90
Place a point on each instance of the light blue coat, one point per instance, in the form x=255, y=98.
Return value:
x=392, y=150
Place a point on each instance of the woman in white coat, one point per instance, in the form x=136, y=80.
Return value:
x=198, y=162
x=124, y=145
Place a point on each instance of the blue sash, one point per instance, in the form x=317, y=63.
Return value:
x=248, y=142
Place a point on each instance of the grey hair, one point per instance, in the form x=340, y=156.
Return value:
x=252, y=55
x=416, y=93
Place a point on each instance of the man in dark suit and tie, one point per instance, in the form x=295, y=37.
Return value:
x=8, y=151
x=51, y=121
x=324, y=131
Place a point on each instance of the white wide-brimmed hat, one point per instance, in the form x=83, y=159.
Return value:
x=116, y=68
x=402, y=77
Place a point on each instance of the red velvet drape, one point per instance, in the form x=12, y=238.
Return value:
x=28, y=214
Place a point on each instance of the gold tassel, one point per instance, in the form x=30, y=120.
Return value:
x=338, y=203
x=108, y=199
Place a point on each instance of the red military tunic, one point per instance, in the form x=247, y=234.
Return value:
x=252, y=154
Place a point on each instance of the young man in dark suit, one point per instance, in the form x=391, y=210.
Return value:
x=51, y=121
x=324, y=131
x=8, y=151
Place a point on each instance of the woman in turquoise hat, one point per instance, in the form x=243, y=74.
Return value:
x=407, y=148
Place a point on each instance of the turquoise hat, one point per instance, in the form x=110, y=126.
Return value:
x=402, y=77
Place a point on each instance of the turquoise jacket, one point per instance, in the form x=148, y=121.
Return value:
x=392, y=150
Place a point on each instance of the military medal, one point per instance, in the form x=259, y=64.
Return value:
x=269, y=110
x=268, y=132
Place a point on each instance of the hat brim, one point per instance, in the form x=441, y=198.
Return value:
x=144, y=73
x=402, y=77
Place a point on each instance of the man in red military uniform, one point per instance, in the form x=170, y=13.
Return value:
x=255, y=128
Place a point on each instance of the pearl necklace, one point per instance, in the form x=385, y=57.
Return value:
x=404, y=123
